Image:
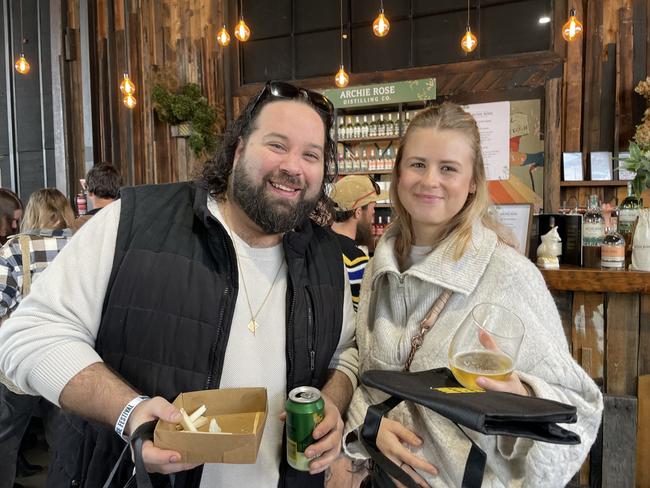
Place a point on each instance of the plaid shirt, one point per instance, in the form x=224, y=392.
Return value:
x=44, y=245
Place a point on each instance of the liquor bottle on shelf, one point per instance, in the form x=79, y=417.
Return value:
x=389, y=126
x=347, y=129
x=593, y=234
x=628, y=212
x=364, y=127
x=340, y=132
x=612, y=250
x=356, y=133
x=372, y=128
x=381, y=126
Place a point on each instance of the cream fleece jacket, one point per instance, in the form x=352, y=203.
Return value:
x=392, y=305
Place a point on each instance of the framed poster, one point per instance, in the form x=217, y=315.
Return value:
x=518, y=218
x=601, y=166
x=572, y=166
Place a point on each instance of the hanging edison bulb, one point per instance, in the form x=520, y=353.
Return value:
x=242, y=31
x=381, y=26
x=342, y=78
x=223, y=38
x=129, y=101
x=573, y=27
x=127, y=87
x=469, y=41
x=22, y=66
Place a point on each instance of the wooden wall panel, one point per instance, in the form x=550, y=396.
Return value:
x=588, y=332
x=143, y=36
x=643, y=433
x=622, y=341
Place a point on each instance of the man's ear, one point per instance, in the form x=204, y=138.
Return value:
x=238, y=150
x=357, y=213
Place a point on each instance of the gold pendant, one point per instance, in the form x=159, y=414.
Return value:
x=252, y=326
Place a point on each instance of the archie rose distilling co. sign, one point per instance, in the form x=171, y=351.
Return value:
x=383, y=93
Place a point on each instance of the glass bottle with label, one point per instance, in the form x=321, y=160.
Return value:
x=372, y=128
x=389, y=126
x=628, y=211
x=612, y=251
x=593, y=234
x=365, y=127
x=356, y=133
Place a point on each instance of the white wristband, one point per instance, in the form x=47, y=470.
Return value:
x=120, y=425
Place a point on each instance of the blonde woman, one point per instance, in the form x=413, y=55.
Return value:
x=45, y=225
x=444, y=239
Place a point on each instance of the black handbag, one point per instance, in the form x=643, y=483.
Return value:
x=488, y=412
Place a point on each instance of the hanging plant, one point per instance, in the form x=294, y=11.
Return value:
x=188, y=105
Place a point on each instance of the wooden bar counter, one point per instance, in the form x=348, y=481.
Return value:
x=606, y=318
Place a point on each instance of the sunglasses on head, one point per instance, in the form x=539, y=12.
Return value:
x=280, y=89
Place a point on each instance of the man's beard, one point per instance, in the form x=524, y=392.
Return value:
x=272, y=215
x=364, y=233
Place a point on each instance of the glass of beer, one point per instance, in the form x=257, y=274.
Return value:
x=486, y=344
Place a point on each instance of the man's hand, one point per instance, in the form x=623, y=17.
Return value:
x=328, y=435
x=391, y=440
x=157, y=460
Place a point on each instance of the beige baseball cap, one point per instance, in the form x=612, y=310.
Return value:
x=355, y=191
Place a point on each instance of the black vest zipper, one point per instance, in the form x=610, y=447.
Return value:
x=214, y=378
x=311, y=331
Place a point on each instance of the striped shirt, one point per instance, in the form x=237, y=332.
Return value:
x=355, y=261
x=44, y=245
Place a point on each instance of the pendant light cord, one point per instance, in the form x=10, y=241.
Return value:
x=22, y=37
x=341, y=24
x=467, y=13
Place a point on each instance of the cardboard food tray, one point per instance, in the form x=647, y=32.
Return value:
x=241, y=414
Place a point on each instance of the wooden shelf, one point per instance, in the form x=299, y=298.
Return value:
x=383, y=205
x=594, y=183
x=368, y=139
x=575, y=278
x=378, y=172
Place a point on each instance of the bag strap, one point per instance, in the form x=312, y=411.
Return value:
x=384, y=468
x=426, y=324
x=143, y=433
x=24, y=239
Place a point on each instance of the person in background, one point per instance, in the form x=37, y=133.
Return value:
x=103, y=183
x=443, y=243
x=11, y=211
x=354, y=199
x=217, y=283
x=46, y=230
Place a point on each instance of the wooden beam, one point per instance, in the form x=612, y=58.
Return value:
x=572, y=91
x=643, y=433
x=552, y=144
x=622, y=343
x=619, y=441
x=624, y=127
x=588, y=331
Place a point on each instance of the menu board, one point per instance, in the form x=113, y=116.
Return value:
x=493, y=120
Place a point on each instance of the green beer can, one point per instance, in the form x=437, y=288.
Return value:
x=305, y=409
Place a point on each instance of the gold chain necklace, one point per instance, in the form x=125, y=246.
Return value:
x=253, y=325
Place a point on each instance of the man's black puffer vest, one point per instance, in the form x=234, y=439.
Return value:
x=167, y=315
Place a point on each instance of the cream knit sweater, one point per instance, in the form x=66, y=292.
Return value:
x=392, y=305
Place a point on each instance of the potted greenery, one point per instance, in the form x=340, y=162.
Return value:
x=639, y=159
x=189, y=114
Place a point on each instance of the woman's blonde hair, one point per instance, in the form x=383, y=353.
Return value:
x=447, y=116
x=47, y=208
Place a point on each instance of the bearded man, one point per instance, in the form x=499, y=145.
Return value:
x=223, y=282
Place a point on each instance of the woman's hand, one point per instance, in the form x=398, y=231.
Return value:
x=391, y=439
x=512, y=385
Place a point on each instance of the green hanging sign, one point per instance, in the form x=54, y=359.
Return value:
x=383, y=93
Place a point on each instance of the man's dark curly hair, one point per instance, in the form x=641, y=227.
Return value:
x=103, y=180
x=216, y=172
